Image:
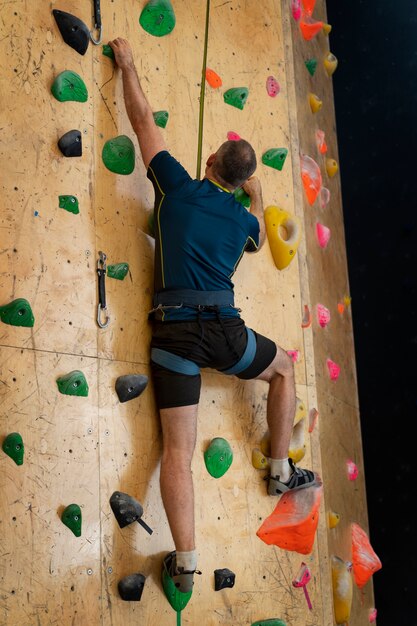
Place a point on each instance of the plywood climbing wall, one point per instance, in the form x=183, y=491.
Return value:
x=81, y=449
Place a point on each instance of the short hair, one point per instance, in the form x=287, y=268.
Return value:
x=235, y=162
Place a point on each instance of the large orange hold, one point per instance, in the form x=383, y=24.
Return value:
x=293, y=523
x=364, y=560
x=309, y=27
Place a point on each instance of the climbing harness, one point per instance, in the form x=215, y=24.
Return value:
x=102, y=306
x=97, y=23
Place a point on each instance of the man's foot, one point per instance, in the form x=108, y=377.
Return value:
x=183, y=579
x=299, y=479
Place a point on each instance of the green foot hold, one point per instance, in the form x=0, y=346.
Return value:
x=17, y=313
x=14, y=448
x=119, y=155
x=177, y=599
x=108, y=51
x=69, y=86
x=269, y=622
x=158, y=18
x=118, y=271
x=71, y=517
x=69, y=203
x=73, y=384
x=236, y=97
x=218, y=457
x=311, y=65
x=275, y=158
x=242, y=197
x=161, y=118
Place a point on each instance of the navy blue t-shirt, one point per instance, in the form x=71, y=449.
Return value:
x=201, y=233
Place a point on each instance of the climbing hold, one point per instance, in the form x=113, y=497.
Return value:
x=311, y=65
x=14, y=448
x=294, y=354
x=315, y=102
x=297, y=448
x=74, y=32
x=342, y=589
x=364, y=560
x=326, y=28
x=157, y=17
x=292, y=524
x=119, y=155
x=236, y=97
x=324, y=197
x=272, y=86
x=309, y=27
x=119, y=270
x=341, y=307
x=300, y=411
x=334, y=369
x=275, y=157
x=218, y=457
x=242, y=197
x=69, y=203
x=213, y=79
x=301, y=580
x=232, y=136
x=272, y=621
x=127, y=510
x=69, y=86
x=296, y=9
x=321, y=141
x=311, y=177
x=306, y=321
x=177, y=599
x=259, y=460
x=223, y=578
x=332, y=519
x=284, y=234
x=323, y=235
x=17, y=313
x=331, y=167
x=131, y=587
x=161, y=118
x=312, y=419
x=108, y=51
x=71, y=517
x=308, y=6
x=352, y=470
x=372, y=615
x=347, y=300
x=330, y=63
x=130, y=386
x=70, y=144
x=73, y=384
x=323, y=315
x=300, y=414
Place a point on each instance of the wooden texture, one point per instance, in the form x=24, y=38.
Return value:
x=82, y=449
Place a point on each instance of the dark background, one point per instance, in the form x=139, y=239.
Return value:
x=375, y=88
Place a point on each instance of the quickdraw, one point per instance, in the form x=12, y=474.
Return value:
x=102, y=306
x=97, y=23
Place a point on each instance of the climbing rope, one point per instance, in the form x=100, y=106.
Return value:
x=202, y=93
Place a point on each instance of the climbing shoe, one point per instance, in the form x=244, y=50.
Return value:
x=299, y=479
x=182, y=579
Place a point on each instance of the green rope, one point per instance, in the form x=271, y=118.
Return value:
x=202, y=93
x=178, y=618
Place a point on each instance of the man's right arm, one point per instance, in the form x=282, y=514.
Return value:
x=138, y=109
x=253, y=188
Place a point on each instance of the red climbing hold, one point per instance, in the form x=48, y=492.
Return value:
x=334, y=369
x=232, y=136
x=308, y=6
x=364, y=560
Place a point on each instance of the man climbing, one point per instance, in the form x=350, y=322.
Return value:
x=201, y=233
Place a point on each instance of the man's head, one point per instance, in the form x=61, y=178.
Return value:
x=233, y=163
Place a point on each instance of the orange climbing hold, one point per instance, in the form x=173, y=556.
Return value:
x=364, y=560
x=293, y=523
x=306, y=323
x=309, y=27
x=321, y=141
x=311, y=177
x=308, y=6
x=213, y=79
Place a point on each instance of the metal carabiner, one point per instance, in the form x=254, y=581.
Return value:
x=102, y=306
x=97, y=23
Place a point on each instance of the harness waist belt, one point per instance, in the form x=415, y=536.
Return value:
x=193, y=298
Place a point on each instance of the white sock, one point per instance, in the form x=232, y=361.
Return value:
x=187, y=560
x=281, y=468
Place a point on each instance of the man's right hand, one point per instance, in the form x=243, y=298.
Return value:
x=252, y=187
x=122, y=52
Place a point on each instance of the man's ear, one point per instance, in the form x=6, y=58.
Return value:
x=211, y=160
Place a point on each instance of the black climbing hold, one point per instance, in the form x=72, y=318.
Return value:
x=130, y=386
x=73, y=30
x=131, y=587
x=223, y=578
x=127, y=510
x=70, y=144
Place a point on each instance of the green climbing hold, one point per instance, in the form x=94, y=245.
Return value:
x=119, y=155
x=71, y=517
x=73, y=384
x=118, y=271
x=275, y=158
x=17, y=313
x=242, y=197
x=69, y=203
x=14, y=448
x=108, y=51
x=274, y=621
x=311, y=65
x=69, y=86
x=177, y=599
x=158, y=17
x=218, y=457
x=161, y=118
x=236, y=97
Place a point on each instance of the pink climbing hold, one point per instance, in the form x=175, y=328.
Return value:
x=364, y=560
x=296, y=9
x=323, y=235
x=272, y=86
x=294, y=354
x=311, y=177
x=232, y=136
x=324, y=197
x=323, y=315
x=372, y=615
x=334, y=369
x=352, y=470
x=321, y=141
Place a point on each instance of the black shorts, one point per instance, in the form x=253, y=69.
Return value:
x=208, y=344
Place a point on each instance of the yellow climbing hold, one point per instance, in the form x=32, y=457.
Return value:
x=342, y=589
x=331, y=167
x=326, y=28
x=259, y=460
x=330, y=63
x=284, y=234
x=297, y=447
x=315, y=102
x=300, y=411
x=332, y=519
